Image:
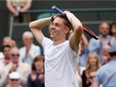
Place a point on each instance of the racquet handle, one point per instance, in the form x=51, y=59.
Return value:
x=58, y=10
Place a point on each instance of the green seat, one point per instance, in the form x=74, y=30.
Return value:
x=44, y=15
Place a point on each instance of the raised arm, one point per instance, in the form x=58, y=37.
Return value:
x=27, y=6
x=75, y=37
x=85, y=40
x=36, y=27
x=11, y=8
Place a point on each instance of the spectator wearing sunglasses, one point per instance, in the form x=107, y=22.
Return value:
x=22, y=68
x=14, y=80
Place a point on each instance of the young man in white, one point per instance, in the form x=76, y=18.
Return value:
x=60, y=55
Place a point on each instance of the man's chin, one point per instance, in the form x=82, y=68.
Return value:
x=104, y=34
x=52, y=36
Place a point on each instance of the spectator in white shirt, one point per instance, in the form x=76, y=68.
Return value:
x=29, y=51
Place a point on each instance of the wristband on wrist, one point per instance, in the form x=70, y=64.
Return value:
x=69, y=16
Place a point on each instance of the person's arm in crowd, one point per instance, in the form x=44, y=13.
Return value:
x=75, y=37
x=36, y=27
x=11, y=8
x=93, y=45
x=4, y=76
x=29, y=81
x=95, y=84
x=3, y=80
x=84, y=39
x=24, y=76
x=27, y=6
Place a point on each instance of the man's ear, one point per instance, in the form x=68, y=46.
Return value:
x=67, y=29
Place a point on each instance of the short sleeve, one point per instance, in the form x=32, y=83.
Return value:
x=98, y=76
x=46, y=41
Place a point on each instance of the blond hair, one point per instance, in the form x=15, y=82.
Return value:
x=88, y=66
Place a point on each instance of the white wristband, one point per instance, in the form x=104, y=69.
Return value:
x=69, y=15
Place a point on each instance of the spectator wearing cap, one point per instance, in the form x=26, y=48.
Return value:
x=106, y=75
x=14, y=80
x=23, y=69
x=36, y=78
x=29, y=51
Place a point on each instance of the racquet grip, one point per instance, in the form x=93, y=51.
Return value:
x=58, y=10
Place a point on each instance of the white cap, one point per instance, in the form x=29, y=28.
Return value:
x=14, y=75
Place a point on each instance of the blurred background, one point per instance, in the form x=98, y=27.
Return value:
x=91, y=13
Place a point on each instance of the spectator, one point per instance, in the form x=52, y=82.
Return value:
x=106, y=56
x=22, y=68
x=6, y=41
x=13, y=43
x=83, y=51
x=92, y=66
x=106, y=75
x=96, y=45
x=14, y=80
x=36, y=78
x=6, y=51
x=29, y=51
x=18, y=6
x=112, y=41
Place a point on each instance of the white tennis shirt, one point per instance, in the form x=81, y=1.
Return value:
x=60, y=64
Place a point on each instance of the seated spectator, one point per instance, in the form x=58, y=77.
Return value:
x=106, y=75
x=6, y=41
x=92, y=65
x=112, y=41
x=18, y=6
x=36, y=78
x=6, y=52
x=22, y=68
x=14, y=80
x=83, y=51
x=96, y=45
x=106, y=56
x=29, y=51
x=13, y=43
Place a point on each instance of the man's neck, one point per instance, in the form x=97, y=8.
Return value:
x=104, y=36
x=56, y=42
x=40, y=70
x=28, y=49
x=114, y=35
x=113, y=57
x=93, y=67
x=6, y=61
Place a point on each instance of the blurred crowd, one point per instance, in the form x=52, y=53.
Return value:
x=28, y=61
x=24, y=67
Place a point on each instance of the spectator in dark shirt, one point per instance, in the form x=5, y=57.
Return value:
x=36, y=78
